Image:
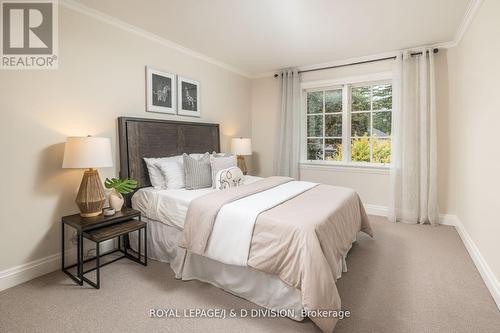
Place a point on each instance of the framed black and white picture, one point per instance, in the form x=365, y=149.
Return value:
x=161, y=91
x=189, y=97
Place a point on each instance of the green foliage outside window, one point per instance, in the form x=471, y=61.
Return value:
x=315, y=102
x=381, y=150
x=333, y=149
x=382, y=97
x=361, y=97
x=360, y=149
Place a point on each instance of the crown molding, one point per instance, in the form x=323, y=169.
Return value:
x=469, y=15
x=111, y=20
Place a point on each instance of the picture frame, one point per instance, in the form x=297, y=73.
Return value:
x=161, y=91
x=188, y=97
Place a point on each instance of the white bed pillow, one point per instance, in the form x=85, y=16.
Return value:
x=155, y=176
x=173, y=173
x=220, y=162
x=230, y=177
x=158, y=180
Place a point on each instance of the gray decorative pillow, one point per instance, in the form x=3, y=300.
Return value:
x=198, y=172
x=220, y=162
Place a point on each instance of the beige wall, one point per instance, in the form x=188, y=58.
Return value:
x=265, y=119
x=446, y=206
x=101, y=76
x=473, y=132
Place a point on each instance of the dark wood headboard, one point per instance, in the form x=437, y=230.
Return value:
x=140, y=137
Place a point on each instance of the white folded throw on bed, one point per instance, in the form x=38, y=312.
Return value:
x=232, y=233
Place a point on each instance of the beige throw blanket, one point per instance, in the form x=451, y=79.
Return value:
x=301, y=240
x=203, y=211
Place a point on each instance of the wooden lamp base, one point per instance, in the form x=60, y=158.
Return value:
x=91, y=197
x=241, y=164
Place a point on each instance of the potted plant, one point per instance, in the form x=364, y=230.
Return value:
x=119, y=187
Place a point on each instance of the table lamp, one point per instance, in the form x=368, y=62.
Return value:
x=89, y=153
x=241, y=147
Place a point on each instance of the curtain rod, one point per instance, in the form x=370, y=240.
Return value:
x=357, y=63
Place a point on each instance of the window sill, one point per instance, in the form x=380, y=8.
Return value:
x=345, y=167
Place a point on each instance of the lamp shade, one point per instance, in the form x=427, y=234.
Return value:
x=87, y=152
x=241, y=146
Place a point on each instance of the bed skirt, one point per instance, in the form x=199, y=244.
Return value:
x=261, y=288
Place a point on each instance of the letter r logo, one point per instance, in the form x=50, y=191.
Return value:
x=27, y=27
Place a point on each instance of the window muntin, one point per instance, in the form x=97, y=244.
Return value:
x=324, y=124
x=358, y=116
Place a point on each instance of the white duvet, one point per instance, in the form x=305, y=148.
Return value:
x=170, y=206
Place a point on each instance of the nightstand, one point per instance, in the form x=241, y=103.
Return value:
x=99, y=229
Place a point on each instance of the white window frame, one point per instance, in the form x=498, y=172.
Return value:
x=355, y=81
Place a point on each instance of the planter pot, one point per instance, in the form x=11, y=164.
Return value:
x=116, y=200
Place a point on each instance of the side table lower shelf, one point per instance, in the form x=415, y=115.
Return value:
x=98, y=235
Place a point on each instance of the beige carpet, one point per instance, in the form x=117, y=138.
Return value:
x=410, y=278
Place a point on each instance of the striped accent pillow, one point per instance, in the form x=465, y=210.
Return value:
x=198, y=172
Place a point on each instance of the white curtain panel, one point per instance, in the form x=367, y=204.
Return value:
x=288, y=147
x=414, y=146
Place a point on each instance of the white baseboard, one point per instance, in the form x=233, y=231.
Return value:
x=22, y=273
x=482, y=266
x=376, y=210
x=444, y=219
x=33, y=269
x=448, y=219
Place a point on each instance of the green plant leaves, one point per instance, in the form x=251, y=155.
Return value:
x=123, y=186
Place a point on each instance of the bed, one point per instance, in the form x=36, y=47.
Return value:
x=184, y=226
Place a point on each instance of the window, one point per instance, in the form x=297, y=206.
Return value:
x=349, y=123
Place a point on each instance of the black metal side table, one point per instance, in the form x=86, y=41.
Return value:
x=99, y=229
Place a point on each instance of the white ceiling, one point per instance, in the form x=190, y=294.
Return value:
x=258, y=36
